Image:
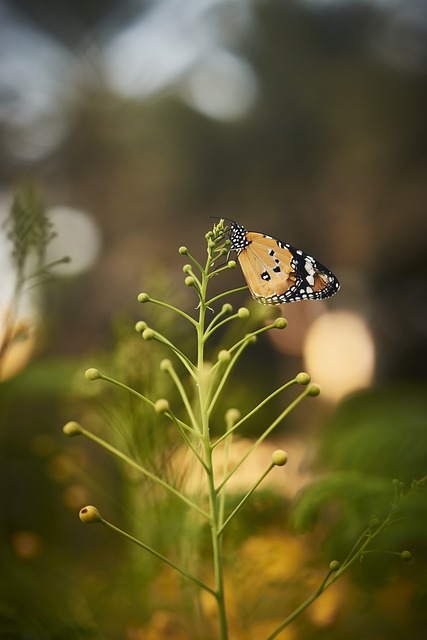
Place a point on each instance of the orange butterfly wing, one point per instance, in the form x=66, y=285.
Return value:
x=258, y=264
x=276, y=272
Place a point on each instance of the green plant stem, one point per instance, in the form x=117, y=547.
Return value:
x=195, y=263
x=246, y=496
x=184, y=436
x=185, y=361
x=169, y=414
x=224, y=377
x=218, y=270
x=224, y=294
x=262, y=437
x=185, y=399
x=160, y=303
x=215, y=320
x=144, y=471
x=214, y=325
x=253, y=411
x=121, y=385
x=155, y=553
x=357, y=552
x=253, y=334
x=222, y=496
x=214, y=505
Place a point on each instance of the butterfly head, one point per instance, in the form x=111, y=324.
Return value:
x=237, y=235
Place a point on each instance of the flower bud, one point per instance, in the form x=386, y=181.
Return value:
x=72, y=429
x=187, y=268
x=334, y=565
x=90, y=514
x=279, y=457
x=92, y=374
x=243, y=313
x=183, y=251
x=303, y=378
x=227, y=308
x=165, y=365
x=224, y=356
x=190, y=281
x=232, y=416
x=143, y=297
x=148, y=334
x=406, y=556
x=232, y=264
x=313, y=390
x=161, y=405
x=140, y=326
x=280, y=323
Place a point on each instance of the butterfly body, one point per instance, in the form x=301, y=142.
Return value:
x=276, y=272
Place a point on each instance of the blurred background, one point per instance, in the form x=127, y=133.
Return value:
x=137, y=120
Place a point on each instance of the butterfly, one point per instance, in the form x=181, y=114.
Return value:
x=276, y=272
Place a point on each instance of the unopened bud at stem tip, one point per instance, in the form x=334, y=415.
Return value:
x=243, y=313
x=313, y=390
x=279, y=457
x=148, y=334
x=303, y=378
x=224, y=356
x=165, y=365
x=92, y=374
x=334, y=565
x=280, y=323
x=90, y=514
x=161, y=405
x=71, y=429
x=232, y=416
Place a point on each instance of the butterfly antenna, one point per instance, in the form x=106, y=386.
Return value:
x=222, y=218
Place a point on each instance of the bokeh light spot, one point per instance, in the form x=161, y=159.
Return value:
x=339, y=353
x=223, y=87
x=77, y=236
